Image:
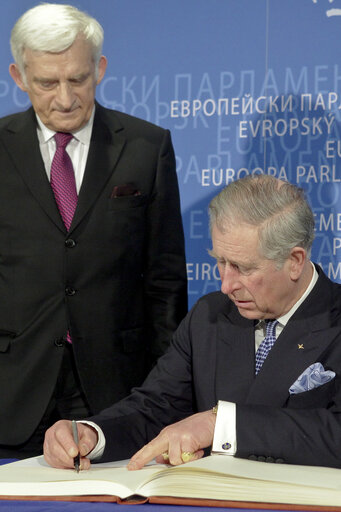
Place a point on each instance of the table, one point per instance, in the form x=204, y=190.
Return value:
x=67, y=506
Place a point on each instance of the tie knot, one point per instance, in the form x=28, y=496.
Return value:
x=62, y=139
x=271, y=327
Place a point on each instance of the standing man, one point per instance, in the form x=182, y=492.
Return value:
x=266, y=349
x=92, y=265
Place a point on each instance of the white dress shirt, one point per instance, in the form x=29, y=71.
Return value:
x=77, y=148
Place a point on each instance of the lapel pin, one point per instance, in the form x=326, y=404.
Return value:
x=300, y=345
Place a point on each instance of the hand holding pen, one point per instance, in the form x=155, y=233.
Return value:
x=61, y=448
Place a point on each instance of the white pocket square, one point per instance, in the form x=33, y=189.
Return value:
x=313, y=377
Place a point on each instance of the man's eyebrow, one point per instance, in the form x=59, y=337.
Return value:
x=44, y=79
x=230, y=262
x=80, y=76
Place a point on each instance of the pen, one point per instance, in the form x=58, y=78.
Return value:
x=76, y=440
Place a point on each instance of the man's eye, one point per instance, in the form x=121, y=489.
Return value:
x=79, y=79
x=245, y=271
x=47, y=85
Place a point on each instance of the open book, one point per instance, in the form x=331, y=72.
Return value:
x=216, y=477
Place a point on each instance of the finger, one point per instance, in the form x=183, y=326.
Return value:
x=162, y=459
x=59, y=446
x=187, y=456
x=88, y=438
x=84, y=464
x=174, y=452
x=147, y=453
x=190, y=456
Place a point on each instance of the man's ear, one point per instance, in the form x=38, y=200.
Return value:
x=102, y=66
x=297, y=260
x=16, y=75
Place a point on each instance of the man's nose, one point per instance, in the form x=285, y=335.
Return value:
x=65, y=96
x=229, y=280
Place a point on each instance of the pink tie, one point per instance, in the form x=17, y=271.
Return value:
x=63, y=184
x=63, y=179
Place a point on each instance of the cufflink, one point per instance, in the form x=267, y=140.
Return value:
x=226, y=446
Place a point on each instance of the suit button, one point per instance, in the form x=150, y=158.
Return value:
x=70, y=291
x=252, y=457
x=261, y=458
x=59, y=342
x=279, y=461
x=269, y=459
x=69, y=243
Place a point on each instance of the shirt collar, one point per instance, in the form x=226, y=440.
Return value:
x=285, y=318
x=83, y=135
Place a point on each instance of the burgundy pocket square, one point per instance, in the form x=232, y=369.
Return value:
x=128, y=189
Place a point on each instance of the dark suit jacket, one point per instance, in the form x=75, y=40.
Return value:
x=117, y=280
x=212, y=357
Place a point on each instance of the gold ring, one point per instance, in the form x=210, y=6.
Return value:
x=165, y=455
x=187, y=456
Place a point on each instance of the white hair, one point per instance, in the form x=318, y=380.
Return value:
x=279, y=210
x=54, y=28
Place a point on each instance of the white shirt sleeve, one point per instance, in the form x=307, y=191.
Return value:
x=97, y=452
x=225, y=437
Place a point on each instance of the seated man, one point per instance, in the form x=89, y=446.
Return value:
x=280, y=405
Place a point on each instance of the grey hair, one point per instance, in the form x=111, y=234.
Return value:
x=54, y=28
x=277, y=208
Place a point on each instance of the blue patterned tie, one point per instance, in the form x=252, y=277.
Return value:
x=267, y=344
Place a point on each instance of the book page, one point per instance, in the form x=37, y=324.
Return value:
x=316, y=476
x=216, y=477
x=222, y=477
x=34, y=477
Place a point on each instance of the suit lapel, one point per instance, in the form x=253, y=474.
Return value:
x=21, y=141
x=105, y=149
x=302, y=342
x=235, y=357
x=299, y=345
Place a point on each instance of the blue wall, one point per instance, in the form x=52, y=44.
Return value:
x=244, y=86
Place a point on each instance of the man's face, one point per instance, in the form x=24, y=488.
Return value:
x=61, y=86
x=253, y=283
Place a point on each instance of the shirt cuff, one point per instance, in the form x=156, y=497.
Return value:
x=97, y=452
x=225, y=438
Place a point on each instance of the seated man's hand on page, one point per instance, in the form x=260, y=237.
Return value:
x=178, y=443
x=60, y=448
